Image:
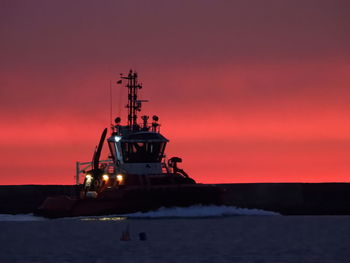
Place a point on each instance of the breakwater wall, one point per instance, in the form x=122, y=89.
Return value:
x=285, y=198
x=291, y=198
x=24, y=199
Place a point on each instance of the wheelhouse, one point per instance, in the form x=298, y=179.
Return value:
x=140, y=147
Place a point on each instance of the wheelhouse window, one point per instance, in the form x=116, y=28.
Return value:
x=143, y=152
x=112, y=149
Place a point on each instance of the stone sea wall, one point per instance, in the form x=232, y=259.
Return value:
x=285, y=198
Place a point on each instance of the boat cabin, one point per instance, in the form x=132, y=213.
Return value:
x=139, y=152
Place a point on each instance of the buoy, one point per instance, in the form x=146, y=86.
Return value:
x=125, y=235
x=143, y=236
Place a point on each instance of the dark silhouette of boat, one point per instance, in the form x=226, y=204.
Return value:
x=137, y=176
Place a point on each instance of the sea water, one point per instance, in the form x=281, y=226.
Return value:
x=195, y=234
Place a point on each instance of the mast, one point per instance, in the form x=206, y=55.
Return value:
x=134, y=105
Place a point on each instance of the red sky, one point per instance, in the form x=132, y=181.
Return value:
x=246, y=91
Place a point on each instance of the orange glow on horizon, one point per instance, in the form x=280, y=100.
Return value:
x=244, y=93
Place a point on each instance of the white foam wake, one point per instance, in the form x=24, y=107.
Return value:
x=200, y=211
x=197, y=211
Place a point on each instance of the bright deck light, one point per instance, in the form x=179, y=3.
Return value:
x=119, y=178
x=117, y=138
x=105, y=177
x=88, y=177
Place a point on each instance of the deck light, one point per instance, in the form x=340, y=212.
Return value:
x=120, y=178
x=88, y=177
x=105, y=177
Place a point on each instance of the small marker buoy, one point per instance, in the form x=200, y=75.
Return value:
x=143, y=236
x=125, y=235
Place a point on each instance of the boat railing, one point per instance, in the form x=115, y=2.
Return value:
x=81, y=167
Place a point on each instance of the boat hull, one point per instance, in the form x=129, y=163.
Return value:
x=131, y=199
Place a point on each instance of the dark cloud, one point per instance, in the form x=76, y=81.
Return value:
x=61, y=33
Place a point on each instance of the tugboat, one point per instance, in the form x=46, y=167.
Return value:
x=137, y=176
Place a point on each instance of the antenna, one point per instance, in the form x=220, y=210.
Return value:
x=134, y=105
x=110, y=103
